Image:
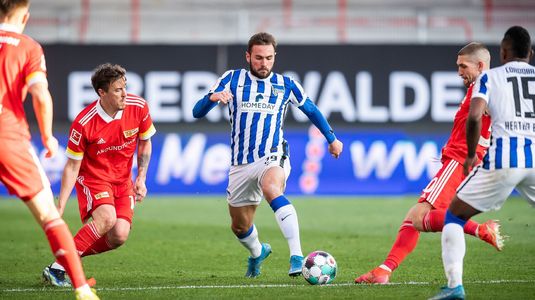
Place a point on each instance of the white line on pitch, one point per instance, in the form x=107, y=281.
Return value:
x=248, y=286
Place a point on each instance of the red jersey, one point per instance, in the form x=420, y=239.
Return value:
x=22, y=64
x=456, y=147
x=106, y=145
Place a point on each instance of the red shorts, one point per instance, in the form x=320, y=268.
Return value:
x=20, y=169
x=91, y=195
x=441, y=189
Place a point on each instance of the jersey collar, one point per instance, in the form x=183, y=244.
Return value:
x=105, y=116
x=9, y=27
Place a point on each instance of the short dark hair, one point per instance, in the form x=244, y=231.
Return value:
x=7, y=7
x=518, y=41
x=261, y=38
x=104, y=75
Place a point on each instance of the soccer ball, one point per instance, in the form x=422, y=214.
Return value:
x=319, y=268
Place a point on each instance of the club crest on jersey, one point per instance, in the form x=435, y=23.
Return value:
x=75, y=137
x=277, y=89
x=102, y=195
x=131, y=132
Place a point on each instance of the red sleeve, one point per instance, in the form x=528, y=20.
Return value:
x=35, y=68
x=77, y=142
x=146, y=127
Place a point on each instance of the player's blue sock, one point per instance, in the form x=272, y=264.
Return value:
x=286, y=217
x=250, y=241
x=451, y=218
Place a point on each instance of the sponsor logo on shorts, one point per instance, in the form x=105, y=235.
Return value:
x=131, y=132
x=102, y=195
x=75, y=137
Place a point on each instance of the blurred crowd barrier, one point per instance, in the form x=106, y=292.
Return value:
x=292, y=21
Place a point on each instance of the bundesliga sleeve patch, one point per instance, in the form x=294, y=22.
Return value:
x=75, y=137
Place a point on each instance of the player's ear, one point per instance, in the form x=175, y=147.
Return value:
x=481, y=66
x=248, y=56
x=25, y=18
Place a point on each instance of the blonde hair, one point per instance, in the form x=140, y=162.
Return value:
x=478, y=51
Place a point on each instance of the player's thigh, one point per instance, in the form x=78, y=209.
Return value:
x=243, y=188
x=273, y=174
x=43, y=207
x=487, y=190
x=277, y=160
x=526, y=187
x=91, y=195
x=20, y=169
x=442, y=188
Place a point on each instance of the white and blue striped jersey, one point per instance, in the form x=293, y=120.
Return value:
x=257, y=112
x=509, y=91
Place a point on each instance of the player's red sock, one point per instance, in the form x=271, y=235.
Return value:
x=405, y=242
x=101, y=245
x=434, y=222
x=62, y=245
x=86, y=236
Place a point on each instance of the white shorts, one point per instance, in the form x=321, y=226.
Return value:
x=487, y=190
x=244, y=180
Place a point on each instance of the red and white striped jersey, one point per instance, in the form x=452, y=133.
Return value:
x=106, y=145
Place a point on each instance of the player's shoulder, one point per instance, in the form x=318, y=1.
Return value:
x=135, y=102
x=28, y=42
x=86, y=114
x=21, y=40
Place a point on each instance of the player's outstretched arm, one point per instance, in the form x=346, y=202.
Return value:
x=144, y=151
x=209, y=101
x=42, y=105
x=317, y=118
x=68, y=179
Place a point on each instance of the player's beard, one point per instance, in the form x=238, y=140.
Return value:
x=255, y=72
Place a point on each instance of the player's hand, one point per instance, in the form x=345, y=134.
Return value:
x=223, y=96
x=51, y=145
x=335, y=148
x=469, y=164
x=140, y=189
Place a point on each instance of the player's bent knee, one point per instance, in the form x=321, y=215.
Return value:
x=119, y=234
x=117, y=240
x=416, y=215
x=104, y=225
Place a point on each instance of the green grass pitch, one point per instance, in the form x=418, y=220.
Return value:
x=182, y=248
